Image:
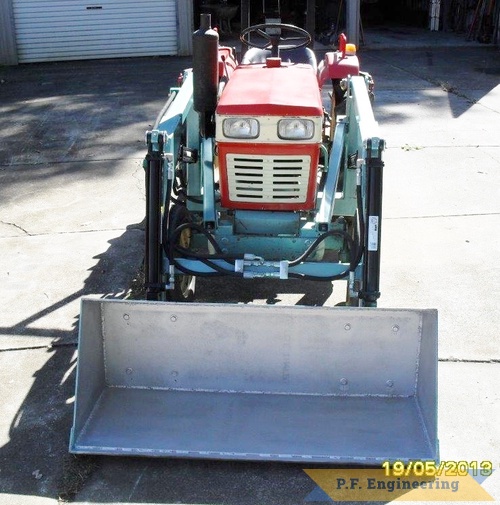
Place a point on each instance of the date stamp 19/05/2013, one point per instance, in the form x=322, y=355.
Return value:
x=433, y=469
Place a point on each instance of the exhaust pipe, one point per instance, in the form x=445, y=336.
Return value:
x=205, y=74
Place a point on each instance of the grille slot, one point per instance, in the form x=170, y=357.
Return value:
x=268, y=179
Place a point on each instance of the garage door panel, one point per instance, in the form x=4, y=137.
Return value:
x=74, y=29
x=65, y=32
x=43, y=7
x=50, y=28
x=106, y=10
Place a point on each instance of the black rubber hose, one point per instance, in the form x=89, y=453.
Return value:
x=168, y=103
x=218, y=269
x=355, y=258
x=315, y=244
x=187, y=253
x=204, y=258
x=221, y=270
x=172, y=238
x=330, y=278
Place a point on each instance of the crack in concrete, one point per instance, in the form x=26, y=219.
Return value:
x=66, y=232
x=137, y=482
x=465, y=146
x=465, y=360
x=17, y=226
x=138, y=175
x=481, y=214
x=4, y=166
x=37, y=347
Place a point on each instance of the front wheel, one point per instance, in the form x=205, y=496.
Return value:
x=184, y=285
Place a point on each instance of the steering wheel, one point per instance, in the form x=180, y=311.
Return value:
x=272, y=34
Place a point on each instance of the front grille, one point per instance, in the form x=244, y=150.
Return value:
x=267, y=179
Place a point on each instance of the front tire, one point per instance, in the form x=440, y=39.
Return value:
x=184, y=285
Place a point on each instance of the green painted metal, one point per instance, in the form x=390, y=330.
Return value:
x=328, y=202
x=270, y=235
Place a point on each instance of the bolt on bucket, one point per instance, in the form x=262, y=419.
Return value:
x=249, y=382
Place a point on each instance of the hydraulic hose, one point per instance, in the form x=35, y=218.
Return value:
x=172, y=239
x=168, y=103
x=305, y=277
x=350, y=244
x=204, y=258
x=218, y=270
x=355, y=252
x=352, y=265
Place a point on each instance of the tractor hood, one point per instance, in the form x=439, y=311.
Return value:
x=286, y=90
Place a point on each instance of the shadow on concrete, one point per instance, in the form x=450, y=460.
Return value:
x=32, y=458
x=194, y=482
x=465, y=74
x=264, y=290
x=112, y=275
x=32, y=461
x=71, y=111
x=62, y=125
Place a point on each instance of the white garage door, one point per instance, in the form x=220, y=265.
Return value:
x=53, y=30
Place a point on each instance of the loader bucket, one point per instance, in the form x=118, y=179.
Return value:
x=250, y=382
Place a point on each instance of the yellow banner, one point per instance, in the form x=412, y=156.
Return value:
x=375, y=485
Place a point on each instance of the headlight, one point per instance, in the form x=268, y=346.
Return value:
x=241, y=128
x=292, y=129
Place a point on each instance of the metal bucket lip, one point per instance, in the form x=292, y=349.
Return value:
x=252, y=306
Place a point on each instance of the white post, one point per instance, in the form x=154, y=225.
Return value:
x=435, y=8
x=8, y=49
x=353, y=21
x=186, y=28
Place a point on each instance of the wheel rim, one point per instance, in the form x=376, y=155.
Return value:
x=184, y=283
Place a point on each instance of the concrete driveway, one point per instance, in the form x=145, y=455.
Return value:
x=71, y=193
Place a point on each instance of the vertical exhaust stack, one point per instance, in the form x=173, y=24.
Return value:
x=205, y=74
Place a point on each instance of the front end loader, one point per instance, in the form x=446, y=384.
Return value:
x=249, y=175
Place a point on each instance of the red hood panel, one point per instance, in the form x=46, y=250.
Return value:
x=284, y=91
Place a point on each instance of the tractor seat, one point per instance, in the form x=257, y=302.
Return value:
x=300, y=55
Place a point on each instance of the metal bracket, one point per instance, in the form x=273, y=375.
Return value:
x=170, y=166
x=155, y=140
x=272, y=269
x=188, y=155
x=374, y=148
